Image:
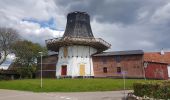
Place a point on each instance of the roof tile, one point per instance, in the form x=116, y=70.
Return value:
x=157, y=57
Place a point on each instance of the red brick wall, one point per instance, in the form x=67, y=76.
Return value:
x=132, y=64
x=156, y=71
x=48, y=66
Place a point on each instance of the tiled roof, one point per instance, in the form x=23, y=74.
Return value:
x=157, y=57
x=114, y=53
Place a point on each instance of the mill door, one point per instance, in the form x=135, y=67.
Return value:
x=82, y=70
x=64, y=70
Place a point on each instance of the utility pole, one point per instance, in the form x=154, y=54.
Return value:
x=124, y=83
x=41, y=68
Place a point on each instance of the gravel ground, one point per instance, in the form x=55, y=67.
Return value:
x=22, y=95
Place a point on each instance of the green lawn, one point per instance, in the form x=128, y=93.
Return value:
x=67, y=85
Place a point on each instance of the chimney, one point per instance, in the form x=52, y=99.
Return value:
x=162, y=52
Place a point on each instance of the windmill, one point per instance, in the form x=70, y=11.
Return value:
x=76, y=47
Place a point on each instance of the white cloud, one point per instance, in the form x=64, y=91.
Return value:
x=123, y=37
x=8, y=61
x=12, y=14
x=33, y=32
x=162, y=15
x=131, y=22
x=142, y=15
x=39, y=9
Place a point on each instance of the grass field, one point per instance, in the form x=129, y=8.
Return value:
x=67, y=85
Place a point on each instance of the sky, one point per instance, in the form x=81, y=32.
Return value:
x=125, y=24
x=10, y=58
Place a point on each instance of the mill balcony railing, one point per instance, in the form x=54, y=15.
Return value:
x=85, y=39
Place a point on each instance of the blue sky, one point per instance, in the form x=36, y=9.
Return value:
x=8, y=61
x=50, y=23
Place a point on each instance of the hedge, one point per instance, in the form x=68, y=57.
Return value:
x=153, y=89
x=3, y=77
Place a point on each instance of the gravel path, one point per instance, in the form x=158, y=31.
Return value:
x=21, y=95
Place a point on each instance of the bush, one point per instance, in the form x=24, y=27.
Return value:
x=3, y=77
x=26, y=71
x=159, y=90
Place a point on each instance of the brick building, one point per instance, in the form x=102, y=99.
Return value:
x=156, y=65
x=156, y=70
x=48, y=66
x=113, y=64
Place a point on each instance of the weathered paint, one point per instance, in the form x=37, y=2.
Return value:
x=156, y=71
x=73, y=57
x=64, y=70
x=82, y=70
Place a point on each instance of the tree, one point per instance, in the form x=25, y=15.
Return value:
x=26, y=56
x=8, y=37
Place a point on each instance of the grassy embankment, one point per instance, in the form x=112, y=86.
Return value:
x=68, y=85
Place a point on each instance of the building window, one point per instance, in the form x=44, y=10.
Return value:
x=117, y=58
x=104, y=60
x=104, y=69
x=119, y=70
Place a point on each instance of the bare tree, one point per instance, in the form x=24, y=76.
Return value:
x=8, y=36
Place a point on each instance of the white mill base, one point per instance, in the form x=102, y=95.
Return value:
x=75, y=61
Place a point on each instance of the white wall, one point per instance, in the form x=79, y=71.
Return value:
x=76, y=55
x=168, y=71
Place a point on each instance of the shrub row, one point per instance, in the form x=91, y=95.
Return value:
x=2, y=77
x=153, y=89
